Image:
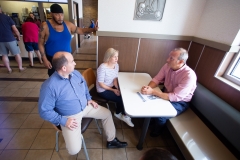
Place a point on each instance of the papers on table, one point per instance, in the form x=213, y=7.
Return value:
x=145, y=97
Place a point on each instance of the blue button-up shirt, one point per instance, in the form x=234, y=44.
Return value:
x=61, y=97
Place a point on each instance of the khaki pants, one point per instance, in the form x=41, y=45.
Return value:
x=73, y=137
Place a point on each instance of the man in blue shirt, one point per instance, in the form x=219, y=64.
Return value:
x=64, y=100
x=8, y=42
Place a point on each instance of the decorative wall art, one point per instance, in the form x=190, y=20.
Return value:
x=149, y=10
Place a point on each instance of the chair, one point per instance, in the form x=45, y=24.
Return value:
x=85, y=123
x=90, y=78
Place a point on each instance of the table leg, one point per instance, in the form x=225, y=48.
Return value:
x=143, y=134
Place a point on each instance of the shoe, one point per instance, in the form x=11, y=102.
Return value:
x=119, y=115
x=155, y=133
x=10, y=71
x=127, y=120
x=21, y=70
x=30, y=65
x=116, y=144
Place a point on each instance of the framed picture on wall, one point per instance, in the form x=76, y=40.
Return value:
x=149, y=10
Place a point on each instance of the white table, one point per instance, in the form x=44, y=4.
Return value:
x=131, y=83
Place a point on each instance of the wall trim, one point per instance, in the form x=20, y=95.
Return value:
x=217, y=45
x=143, y=35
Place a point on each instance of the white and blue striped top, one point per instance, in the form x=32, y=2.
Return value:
x=106, y=75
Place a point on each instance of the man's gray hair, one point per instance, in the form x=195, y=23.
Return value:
x=183, y=54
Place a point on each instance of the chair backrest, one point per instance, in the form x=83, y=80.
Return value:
x=89, y=77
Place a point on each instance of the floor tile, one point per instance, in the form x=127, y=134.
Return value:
x=16, y=84
x=29, y=85
x=3, y=117
x=25, y=107
x=5, y=84
x=13, y=154
x=7, y=92
x=94, y=154
x=39, y=155
x=132, y=137
x=23, y=139
x=114, y=154
x=6, y=135
x=21, y=92
x=45, y=139
x=8, y=107
x=34, y=93
x=134, y=154
x=93, y=138
x=62, y=154
x=33, y=121
x=14, y=121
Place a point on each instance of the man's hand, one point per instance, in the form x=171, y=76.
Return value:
x=146, y=90
x=117, y=92
x=71, y=123
x=94, y=104
x=96, y=26
x=47, y=64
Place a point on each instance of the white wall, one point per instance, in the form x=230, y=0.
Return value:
x=179, y=18
x=220, y=21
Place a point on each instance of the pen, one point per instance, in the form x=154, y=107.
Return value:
x=141, y=96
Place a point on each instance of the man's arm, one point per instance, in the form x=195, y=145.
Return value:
x=41, y=42
x=16, y=32
x=149, y=90
x=74, y=29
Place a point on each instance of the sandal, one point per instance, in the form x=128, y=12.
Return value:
x=21, y=70
x=10, y=71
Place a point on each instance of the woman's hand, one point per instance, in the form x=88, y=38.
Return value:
x=117, y=92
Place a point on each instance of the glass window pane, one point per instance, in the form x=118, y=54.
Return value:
x=236, y=70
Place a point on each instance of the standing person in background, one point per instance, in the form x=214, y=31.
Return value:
x=55, y=35
x=107, y=83
x=37, y=22
x=30, y=38
x=8, y=41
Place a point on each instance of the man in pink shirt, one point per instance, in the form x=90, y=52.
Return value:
x=179, y=82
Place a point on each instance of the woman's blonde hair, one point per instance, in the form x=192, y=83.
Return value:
x=109, y=54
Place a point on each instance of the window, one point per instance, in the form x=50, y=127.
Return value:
x=233, y=71
x=229, y=70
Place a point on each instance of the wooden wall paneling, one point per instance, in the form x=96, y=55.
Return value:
x=194, y=54
x=73, y=43
x=207, y=67
x=153, y=54
x=127, y=48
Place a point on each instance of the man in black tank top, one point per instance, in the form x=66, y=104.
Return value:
x=56, y=26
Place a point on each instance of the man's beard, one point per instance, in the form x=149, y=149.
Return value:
x=57, y=21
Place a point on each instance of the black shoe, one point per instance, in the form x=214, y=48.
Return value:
x=155, y=133
x=116, y=144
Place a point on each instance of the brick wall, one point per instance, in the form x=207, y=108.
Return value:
x=90, y=11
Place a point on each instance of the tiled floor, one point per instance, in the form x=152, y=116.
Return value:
x=25, y=136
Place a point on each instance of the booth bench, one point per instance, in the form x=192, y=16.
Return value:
x=195, y=139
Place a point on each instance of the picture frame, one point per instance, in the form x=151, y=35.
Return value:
x=151, y=10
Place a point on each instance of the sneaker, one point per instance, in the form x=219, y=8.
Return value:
x=127, y=120
x=116, y=144
x=119, y=115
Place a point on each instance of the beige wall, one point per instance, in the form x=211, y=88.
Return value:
x=16, y=7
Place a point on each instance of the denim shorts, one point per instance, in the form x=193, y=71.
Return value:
x=30, y=46
x=6, y=47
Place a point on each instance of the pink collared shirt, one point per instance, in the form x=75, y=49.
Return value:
x=179, y=84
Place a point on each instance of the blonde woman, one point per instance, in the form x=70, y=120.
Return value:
x=107, y=83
